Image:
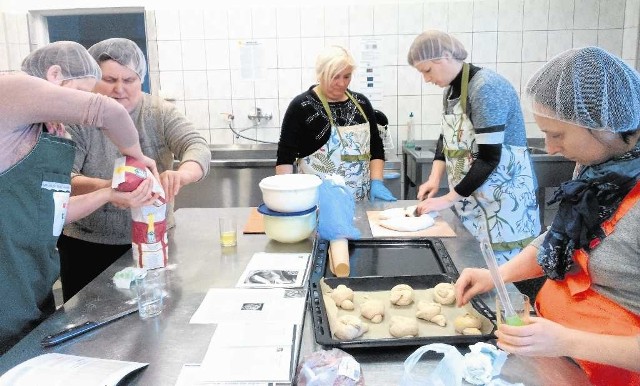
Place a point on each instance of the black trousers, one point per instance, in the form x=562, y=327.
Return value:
x=82, y=261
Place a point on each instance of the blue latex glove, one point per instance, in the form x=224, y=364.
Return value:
x=378, y=190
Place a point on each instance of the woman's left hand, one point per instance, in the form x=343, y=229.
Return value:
x=541, y=337
x=171, y=181
x=434, y=204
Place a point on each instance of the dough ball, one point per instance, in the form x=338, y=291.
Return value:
x=431, y=312
x=401, y=295
x=444, y=293
x=343, y=296
x=468, y=324
x=401, y=327
x=391, y=213
x=373, y=310
x=350, y=327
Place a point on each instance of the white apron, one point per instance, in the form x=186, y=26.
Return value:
x=505, y=204
x=347, y=153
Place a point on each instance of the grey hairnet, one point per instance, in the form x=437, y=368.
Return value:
x=73, y=59
x=588, y=87
x=124, y=51
x=432, y=45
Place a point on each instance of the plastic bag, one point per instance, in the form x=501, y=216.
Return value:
x=337, y=209
x=448, y=372
x=329, y=368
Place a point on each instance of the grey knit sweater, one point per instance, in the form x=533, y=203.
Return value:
x=164, y=132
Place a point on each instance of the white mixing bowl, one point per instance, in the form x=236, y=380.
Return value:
x=290, y=192
x=289, y=227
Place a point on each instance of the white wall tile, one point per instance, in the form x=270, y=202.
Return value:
x=560, y=14
x=528, y=69
x=342, y=41
x=509, y=46
x=510, y=15
x=198, y=113
x=312, y=21
x=4, y=58
x=631, y=13
x=536, y=15
x=409, y=81
x=630, y=43
x=241, y=110
x=194, y=55
x=611, y=40
x=288, y=22
x=466, y=38
x=270, y=51
x=431, y=109
x=586, y=14
x=559, y=41
x=152, y=55
x=289, y=82
x=241, y=88
x=169, y=55
x=263, y=21
x=268, y=87
x=219, y=84
x=171, y=84
x=389, y=76
x=389, y=107
x=218, y=112
x=216, y=25
x=406, y=105
x=484, y=15
x=3, y=35
x=435, y=16
x=360, y=20
x=611, y=14
x=11, y=25
x=195, y=85
x=191, y=24
x=385, y=19
x=269, y=106
x=234, y=53
x=271, y=135
x=512, y=72
x=217, y=54
x=15, y=56
x=389, y=50
x=404, y=43
x=410, y=18
x=310, y=48
x=23, y=29
x=221, y=136
x=289, y=53
x=534, y=46
x=154, y=82
x=485, y=45
x=167, y=24
x=308, y=78
x=337, y=21
x=585, y=37
x=460, y=16
x=431, y=89
x=240, y=22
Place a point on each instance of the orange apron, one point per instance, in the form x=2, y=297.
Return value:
x=572, y=303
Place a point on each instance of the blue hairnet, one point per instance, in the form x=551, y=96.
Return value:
x=588, y=87
x=337, y=208
x=73, y=59
x=124, y=51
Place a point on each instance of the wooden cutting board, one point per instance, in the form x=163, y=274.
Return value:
x=440, y=229
x=255, y=223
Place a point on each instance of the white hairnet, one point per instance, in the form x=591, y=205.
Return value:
x=73, y=59
x=432, y=45
x=124, y=51
x=588, y=87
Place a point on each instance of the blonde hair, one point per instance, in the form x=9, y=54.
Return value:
x=332, y=61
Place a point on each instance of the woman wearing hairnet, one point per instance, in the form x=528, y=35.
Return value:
x=90, y=245
x=482, y=147
x=35, y=167
x=587, y=102
x=329, y=129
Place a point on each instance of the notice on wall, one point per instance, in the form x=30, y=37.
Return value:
x=368, y=75
x=252, y=60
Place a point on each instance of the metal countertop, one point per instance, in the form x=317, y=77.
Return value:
x=197, y=263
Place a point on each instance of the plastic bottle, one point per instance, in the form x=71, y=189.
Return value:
x=410, y=143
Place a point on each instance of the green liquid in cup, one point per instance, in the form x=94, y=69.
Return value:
x=514, y=321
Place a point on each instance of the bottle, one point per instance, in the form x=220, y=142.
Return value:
x=410, y=142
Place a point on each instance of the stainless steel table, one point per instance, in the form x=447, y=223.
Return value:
x=197, y=263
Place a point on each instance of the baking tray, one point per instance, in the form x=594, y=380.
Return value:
x=420, y=263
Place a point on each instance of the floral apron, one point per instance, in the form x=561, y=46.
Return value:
x=572, y=303
x=505, y=205
x=347, y=153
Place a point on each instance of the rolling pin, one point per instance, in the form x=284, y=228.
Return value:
x=339, y=257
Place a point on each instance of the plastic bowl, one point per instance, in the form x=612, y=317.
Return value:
x=288, y=193
x=288, y=227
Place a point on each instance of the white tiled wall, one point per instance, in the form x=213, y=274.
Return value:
x=194, y=53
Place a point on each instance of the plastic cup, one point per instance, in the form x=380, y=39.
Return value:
x=228, y=232
x=150, y=291
x=521, y=306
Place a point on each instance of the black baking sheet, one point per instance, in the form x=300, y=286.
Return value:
x=380, y=264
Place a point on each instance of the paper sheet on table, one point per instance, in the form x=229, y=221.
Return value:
x=253, y=334
x=248, y=364
x=190, y=376
x=68, y=370
x=269, y=270
x=238, y=305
